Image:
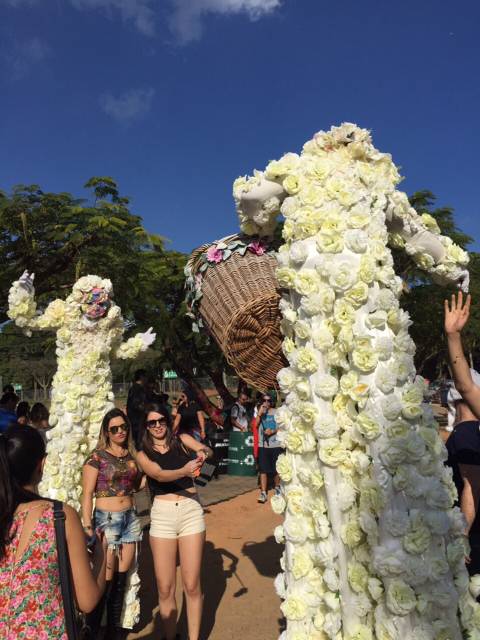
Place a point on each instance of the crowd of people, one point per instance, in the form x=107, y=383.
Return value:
x=164, y=447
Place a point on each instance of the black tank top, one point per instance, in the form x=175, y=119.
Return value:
x=174, y=458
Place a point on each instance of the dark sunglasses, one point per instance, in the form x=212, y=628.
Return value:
x=267, y=399
x=161, y=422
x=121, y=427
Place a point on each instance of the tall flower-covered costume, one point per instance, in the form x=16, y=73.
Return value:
x=89, y=330
x=374, y=548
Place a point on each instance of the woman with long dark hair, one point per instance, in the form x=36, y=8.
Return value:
x=177, y=521
x=188, y=416
x=111, y=475
x=31, y=603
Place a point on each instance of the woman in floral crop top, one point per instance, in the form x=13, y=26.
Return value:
x=111, y=476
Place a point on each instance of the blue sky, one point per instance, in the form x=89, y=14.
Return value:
x=175, y=98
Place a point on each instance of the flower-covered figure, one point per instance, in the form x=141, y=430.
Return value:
x=373, y=547
x=89, y=330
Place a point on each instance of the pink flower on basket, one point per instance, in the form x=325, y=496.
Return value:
x=214, y=254
x=257, y=248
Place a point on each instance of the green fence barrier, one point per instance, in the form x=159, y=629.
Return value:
x=240, y=454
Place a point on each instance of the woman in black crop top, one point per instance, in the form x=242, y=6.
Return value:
x=177, y=521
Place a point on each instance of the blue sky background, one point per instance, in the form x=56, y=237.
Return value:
x=175, y=98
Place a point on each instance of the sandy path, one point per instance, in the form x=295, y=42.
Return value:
x=240, y=562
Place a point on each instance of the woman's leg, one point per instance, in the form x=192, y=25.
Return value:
x=263, y=482
x=164, y=552
x=191, y=550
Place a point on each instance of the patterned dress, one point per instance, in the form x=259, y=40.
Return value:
x=31, y=603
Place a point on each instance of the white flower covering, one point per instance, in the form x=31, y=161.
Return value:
x=81, y=388
x=373, y=546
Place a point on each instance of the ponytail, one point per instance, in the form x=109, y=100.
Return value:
x=21, y=450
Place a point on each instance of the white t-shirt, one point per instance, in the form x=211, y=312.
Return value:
x=239, y=414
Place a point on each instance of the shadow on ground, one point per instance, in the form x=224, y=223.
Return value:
x=219, y=566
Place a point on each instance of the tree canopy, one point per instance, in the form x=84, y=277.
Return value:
x=60, y=237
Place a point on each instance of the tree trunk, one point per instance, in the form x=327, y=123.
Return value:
x=187, y=375
x=223, y=392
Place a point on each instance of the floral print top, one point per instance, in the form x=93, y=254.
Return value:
x=31, y=605
x=117, y=476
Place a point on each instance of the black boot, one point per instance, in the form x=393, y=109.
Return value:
x=115, y=606
x=94, y=618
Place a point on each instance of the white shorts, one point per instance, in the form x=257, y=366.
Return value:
x=169, y=519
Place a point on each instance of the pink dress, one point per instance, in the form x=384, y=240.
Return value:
x=31, y=605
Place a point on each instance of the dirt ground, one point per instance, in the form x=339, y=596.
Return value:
x=241, y=560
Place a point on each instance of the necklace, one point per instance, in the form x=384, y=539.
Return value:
x=115, y=455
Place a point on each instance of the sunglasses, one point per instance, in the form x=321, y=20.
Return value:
x=159, y=422
x=121, y=427
x=267, y=399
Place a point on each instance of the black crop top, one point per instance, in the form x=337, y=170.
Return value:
x=173, y=459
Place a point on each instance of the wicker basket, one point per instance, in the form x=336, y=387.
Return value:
x=239, y=305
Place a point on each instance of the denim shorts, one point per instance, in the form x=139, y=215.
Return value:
x=121, y=527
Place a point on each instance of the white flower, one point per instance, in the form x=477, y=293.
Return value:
x=278, y=504
x=342, y=276
x=298, y=252
x=325, y=426
x=322, y=338
x=401, y=598
x=305, y=360
x=356, y=240
x=326, y=385
x=391, y=407
x=306, y=282
x=294, y=608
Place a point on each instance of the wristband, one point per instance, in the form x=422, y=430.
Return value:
x=87, y=527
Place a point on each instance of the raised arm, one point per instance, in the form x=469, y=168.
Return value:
x=155, y=471
x=132, y=347
x=420, y=236
x=456, y=317
x=22, y=308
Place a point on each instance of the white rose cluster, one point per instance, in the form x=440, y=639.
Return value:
x=367, y=503
x=82, y=385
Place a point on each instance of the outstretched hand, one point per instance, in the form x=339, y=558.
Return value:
x=26, y=281
x=148, y=337
x=457, y=313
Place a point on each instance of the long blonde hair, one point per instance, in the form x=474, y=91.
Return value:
x=103, y=438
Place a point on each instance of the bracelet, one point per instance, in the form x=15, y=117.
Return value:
x=86, y=527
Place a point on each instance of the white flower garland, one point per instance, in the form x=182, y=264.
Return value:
x=373, y=546
x=81, y=388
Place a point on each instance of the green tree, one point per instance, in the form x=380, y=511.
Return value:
x=423, y=299
x=60, y=238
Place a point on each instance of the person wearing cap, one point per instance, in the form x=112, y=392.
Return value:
x=463, y=445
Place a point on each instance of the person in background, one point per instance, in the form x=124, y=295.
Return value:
x=238, y=413
x=31, y=604
x=136, y=403
x=464, y=444
x=165, y=402
x=177, y=520
x=463, y=448
x=23, y=412
x=8, y=388
x=8, y=404
x=189, y=417
x=111, y=476
x=269, y=447
x=39, y=419
x=151, y=392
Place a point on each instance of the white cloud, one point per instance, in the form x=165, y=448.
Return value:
x=139, y=12
x=186, y=21
x=22, y=57
x=128, y=106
